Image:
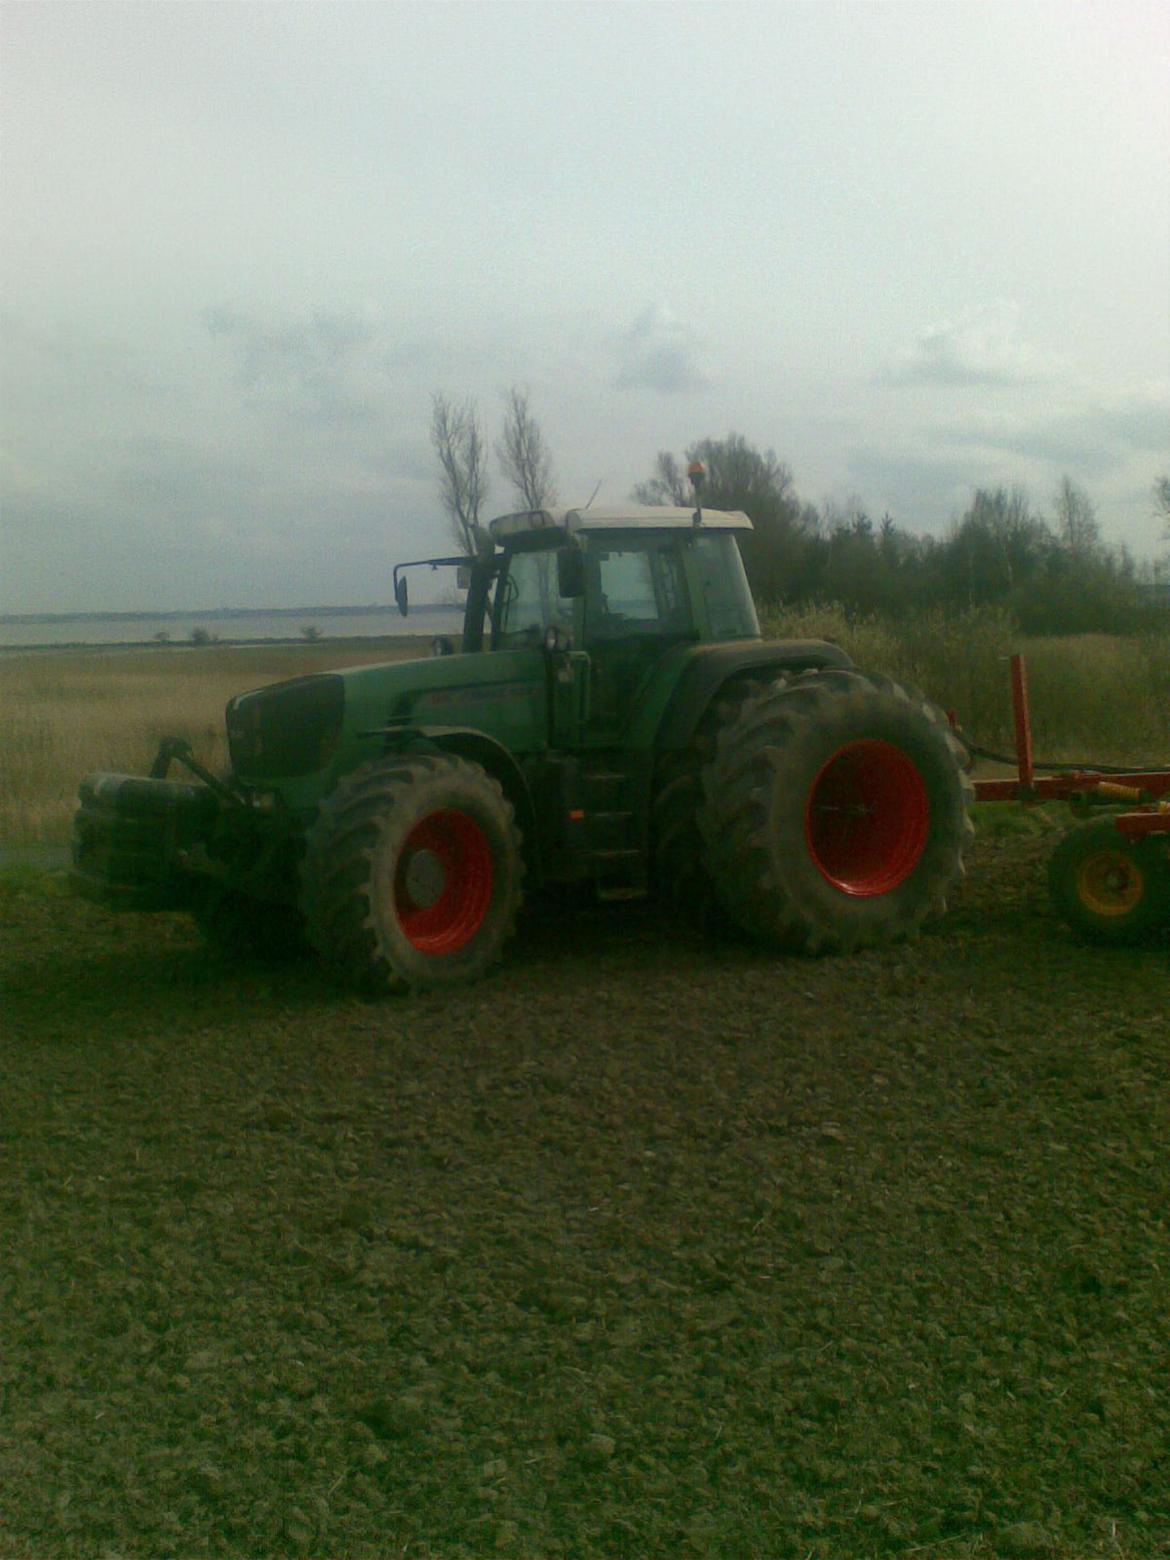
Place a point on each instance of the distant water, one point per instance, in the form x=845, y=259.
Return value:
x=231, y=627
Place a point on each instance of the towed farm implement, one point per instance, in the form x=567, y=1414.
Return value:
x=1109, y=879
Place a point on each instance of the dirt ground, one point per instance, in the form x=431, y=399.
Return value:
x=646, y=1246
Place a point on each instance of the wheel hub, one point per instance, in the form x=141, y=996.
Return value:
x=443, y=882
x=424, y=879
x=1110, y=884
x=867, y=818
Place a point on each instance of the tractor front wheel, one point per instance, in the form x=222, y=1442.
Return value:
x=412, y=873
x=835, y=813
x=1108, y=888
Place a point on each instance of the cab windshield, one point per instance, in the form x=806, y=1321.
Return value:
x=527, y=602
x=723, y=585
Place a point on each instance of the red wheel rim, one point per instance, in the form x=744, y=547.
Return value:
x=867, y=818
x=443, y=883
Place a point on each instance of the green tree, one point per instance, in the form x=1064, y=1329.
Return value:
x=1076, y=519
x=997, y=546
x=667, y=486
x=741, y=477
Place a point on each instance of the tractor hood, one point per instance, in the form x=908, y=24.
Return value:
x=323, y=725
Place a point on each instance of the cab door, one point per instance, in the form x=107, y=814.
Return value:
x=637, y=606
x=533, y=623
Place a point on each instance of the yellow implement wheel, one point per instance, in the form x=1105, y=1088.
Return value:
x=1106, y=887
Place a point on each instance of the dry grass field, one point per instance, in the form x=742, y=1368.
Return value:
x=64, y=714
x=1094, y=696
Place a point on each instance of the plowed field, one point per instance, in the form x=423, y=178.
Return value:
x=646, y=1246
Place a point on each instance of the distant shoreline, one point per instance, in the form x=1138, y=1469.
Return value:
x=108, y=646
x=226, y=625
x=216, y=614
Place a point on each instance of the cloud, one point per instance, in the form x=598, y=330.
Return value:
x=332, y=366
x=921, y=491
x=1115, y=439
x=1092, y=433
x=986, y=349
x=660, y=353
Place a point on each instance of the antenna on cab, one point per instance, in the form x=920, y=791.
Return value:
x=698, y=475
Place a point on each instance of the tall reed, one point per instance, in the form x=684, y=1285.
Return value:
x=1094, y=697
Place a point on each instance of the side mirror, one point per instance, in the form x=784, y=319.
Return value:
x=463, y=577
x=402, y=595
x=570, y=572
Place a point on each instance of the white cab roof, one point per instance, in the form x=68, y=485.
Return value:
x=632, y=517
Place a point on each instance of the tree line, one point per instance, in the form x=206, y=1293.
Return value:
x=1052, y=572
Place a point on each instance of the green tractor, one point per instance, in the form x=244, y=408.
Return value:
x=612, y=718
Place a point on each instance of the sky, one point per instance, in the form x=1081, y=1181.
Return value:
x=914, y=249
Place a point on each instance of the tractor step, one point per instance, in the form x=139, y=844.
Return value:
x=616, y=851
x=619, y=874
x=610, y=831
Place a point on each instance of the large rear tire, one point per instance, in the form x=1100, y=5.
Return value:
x=679, y=872
x=1108, y=888
x=835, y=813
x=412, y=874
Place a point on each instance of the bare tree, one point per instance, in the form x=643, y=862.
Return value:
x=1076, y=519
x=524, y=456
x=1162, y=501
x=458, y=442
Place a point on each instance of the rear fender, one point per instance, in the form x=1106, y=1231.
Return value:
x=711, y=667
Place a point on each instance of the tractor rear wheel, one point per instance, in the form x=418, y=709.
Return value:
x=412, y=873
x=1108, y=888
x=835, y=813
x=679, y=869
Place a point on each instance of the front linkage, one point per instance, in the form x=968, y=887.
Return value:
x=151, y=843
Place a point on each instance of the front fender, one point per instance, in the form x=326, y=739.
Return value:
x=476, y=746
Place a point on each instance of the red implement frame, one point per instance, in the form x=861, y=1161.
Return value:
x=1147, y=789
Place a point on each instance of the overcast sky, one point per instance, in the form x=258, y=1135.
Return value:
x=911, y=248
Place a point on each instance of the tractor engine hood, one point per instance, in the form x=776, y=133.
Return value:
x=295, y=729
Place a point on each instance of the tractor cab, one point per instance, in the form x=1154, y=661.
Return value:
x=606, y=575
x=598, y=597
x=608, y=593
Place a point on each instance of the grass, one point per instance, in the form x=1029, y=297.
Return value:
x=63, y=715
